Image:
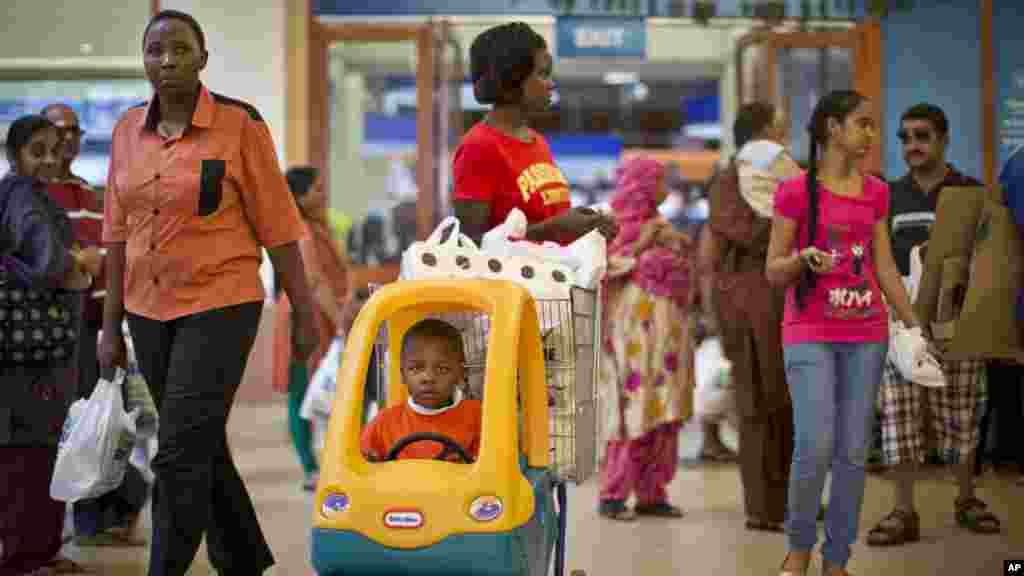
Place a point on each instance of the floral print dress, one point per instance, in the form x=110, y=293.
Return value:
x=645, y=367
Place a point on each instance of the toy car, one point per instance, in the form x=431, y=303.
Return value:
x=503, y=514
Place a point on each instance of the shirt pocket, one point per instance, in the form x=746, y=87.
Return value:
x=211, y=186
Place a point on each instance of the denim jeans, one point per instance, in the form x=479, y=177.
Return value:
x=833, y=387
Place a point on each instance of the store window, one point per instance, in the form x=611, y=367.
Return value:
x=98, y=103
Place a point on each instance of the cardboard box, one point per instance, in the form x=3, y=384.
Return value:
x=972, y=274
x=951, y=237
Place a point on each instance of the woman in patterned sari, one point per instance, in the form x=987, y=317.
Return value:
x=646, y=347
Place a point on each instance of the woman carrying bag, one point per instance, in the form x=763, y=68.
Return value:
x=327, y=275
x=41, y=281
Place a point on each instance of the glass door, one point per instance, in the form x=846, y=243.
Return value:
x=376, y=103
x=804, y=76
x=792, y=70
x=450, y=86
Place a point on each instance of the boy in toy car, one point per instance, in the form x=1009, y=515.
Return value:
x=432, y=367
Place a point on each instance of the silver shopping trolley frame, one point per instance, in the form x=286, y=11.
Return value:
x=571, y=334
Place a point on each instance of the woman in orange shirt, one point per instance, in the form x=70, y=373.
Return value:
x=327, y=275
x=194, y=194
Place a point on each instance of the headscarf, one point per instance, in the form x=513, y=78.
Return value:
x=635, y=200
x=659, y=270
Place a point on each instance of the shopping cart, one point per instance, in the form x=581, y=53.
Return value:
x=506, y=513
x=570, y=331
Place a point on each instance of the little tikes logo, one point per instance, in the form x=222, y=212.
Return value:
x=334, y=504
x=403, y=519
x=485, y=509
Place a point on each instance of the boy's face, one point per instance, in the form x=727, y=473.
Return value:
x=431, y=368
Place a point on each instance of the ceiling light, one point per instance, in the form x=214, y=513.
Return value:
x=619, y=78
x=640, y=92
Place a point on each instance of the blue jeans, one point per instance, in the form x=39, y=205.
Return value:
x=833, y=387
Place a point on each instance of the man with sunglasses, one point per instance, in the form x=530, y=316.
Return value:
x=81, y=201
x=64, y=117
x=113, y=518
x=950, y=414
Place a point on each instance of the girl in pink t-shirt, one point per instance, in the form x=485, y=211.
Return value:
x=830, y=248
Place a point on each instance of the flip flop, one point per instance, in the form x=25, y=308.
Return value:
x=616, y=510
x=110, y=540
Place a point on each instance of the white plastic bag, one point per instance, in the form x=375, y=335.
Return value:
x=320, y=393
x=495, y=239
x=585, y=260
x=913, y=282
x=908, y=351
x=713, y=394
x=95, y=445
x=456, y=257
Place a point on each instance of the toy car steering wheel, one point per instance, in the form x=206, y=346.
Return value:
x=450, y=446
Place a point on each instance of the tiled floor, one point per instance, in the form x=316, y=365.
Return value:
x=709, y=540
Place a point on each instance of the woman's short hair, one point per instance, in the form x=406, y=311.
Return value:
x=188, y=19
x=501, y=59
x=21, y=131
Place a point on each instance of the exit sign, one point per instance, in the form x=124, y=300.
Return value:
x=601, y=37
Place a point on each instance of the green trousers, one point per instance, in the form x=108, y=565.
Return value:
x=301, y=430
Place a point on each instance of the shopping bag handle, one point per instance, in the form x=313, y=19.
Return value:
x=467, y=242
x=455, y=238
x=435, y=236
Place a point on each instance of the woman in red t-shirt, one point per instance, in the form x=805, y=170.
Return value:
x=501, y=163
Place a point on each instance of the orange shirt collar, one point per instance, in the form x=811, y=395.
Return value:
x=202, y=117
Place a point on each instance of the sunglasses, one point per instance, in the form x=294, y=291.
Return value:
x=920, y=135
x=70, y=131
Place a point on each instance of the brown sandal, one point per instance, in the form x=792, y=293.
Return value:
x=759, y=525
x=898, y=528
x=973, y=515
x=784, y=572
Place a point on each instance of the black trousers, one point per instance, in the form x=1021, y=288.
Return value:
x=999, y=442
x=193, y=366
